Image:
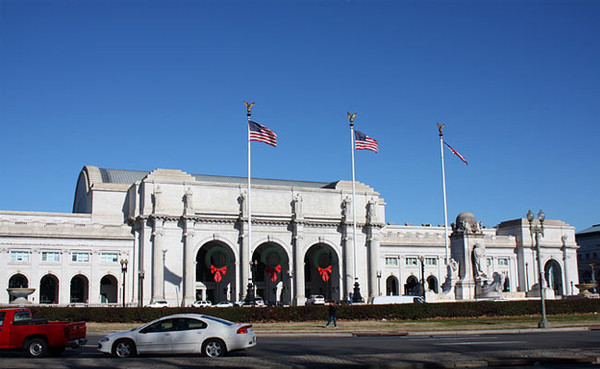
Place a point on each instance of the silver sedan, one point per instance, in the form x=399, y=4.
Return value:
x=181, y=334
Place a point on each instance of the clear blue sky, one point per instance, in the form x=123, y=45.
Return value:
x=148, y=84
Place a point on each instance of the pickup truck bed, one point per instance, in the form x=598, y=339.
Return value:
x=38, y=337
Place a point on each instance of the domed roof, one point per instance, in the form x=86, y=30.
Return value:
x=467, y=217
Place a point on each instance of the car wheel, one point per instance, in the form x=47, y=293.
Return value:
x=123, y=349
x=214, y=348
x=36, y=347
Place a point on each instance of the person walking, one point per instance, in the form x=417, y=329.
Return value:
x=332, y=315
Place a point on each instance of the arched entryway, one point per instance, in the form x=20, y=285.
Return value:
x=17, y=281
x=215, y=269
x=79, y=289
x=322, y=272
x=412, y=286
x=270, y=273
x=49, y=289
x=553, y=275
x=391, y=286
x=432, y=284
x=109, y=290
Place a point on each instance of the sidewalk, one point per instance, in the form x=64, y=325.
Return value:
x=423, y=327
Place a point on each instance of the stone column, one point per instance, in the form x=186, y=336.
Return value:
x=374, y=264
x=299, y=287
x=189, y=263
x=157, y=262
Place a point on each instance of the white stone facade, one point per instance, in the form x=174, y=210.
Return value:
x=186, y=237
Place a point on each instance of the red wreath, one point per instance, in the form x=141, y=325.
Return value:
x=218, y=272
x=273, y=272
x=324, y=272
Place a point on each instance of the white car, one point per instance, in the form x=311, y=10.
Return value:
x=315, y=300
x=201, y=304
x=180, y=334
x=224, y=304
x=158, y=304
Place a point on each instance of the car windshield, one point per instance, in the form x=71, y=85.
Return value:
x=222, y=321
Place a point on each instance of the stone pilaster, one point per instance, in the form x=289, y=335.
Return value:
x=189, y=263
x=158, y=291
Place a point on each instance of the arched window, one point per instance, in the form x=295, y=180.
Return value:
x=79, y=289
x=49, y=289
x=391, y=286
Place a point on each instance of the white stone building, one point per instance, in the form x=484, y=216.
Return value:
x=185, y=237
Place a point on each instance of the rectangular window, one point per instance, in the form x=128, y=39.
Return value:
x=489, y=261
x=109, y=257
x=80, y=257
x=503, y=262
x=19, y=256
x=411, y=261
x=430, y=261
x=50, y=256
x=391, y=261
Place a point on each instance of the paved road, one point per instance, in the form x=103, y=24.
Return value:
x=550, y=349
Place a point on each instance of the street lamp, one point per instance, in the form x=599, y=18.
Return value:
x=527, y=276
x=379, y=283
x=124, y=263
x=250, y=298
x=537, y=231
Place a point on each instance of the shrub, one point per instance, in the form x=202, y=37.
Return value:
x=312, y=313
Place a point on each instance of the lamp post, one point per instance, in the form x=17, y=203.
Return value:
x=527, y=276
x=537, y=231
x=290, y=275
x=422, y=259
x=250, y=298
x=379, y=283
x=124, y=263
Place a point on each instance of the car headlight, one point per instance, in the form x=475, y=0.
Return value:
x=104, y=339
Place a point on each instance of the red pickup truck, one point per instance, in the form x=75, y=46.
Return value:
x=38, y=337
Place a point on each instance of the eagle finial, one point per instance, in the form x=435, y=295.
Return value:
x=248, y=106
x=440, y=128
x=351, y=116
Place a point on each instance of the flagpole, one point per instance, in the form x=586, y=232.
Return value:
x=250, y=292
x=440, y=128
x=356, y=297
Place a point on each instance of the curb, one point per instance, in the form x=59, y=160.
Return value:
x=426, y=333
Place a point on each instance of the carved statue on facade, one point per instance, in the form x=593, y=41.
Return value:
x=297, y=206
x=478, y=260
x=466, y=223
x=452, y=276
x=157, y=200
x=242, y=198
x=345, y=208
x=188, y=201
x=371, y=211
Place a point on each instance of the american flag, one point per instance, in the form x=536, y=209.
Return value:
x=258, y=132
x=364, y=142
x=457, y=154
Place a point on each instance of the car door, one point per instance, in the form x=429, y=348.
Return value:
x=4, y=331
x=188, y=335
x=156, y=337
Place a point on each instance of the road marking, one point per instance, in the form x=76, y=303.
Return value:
x=478, y=343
